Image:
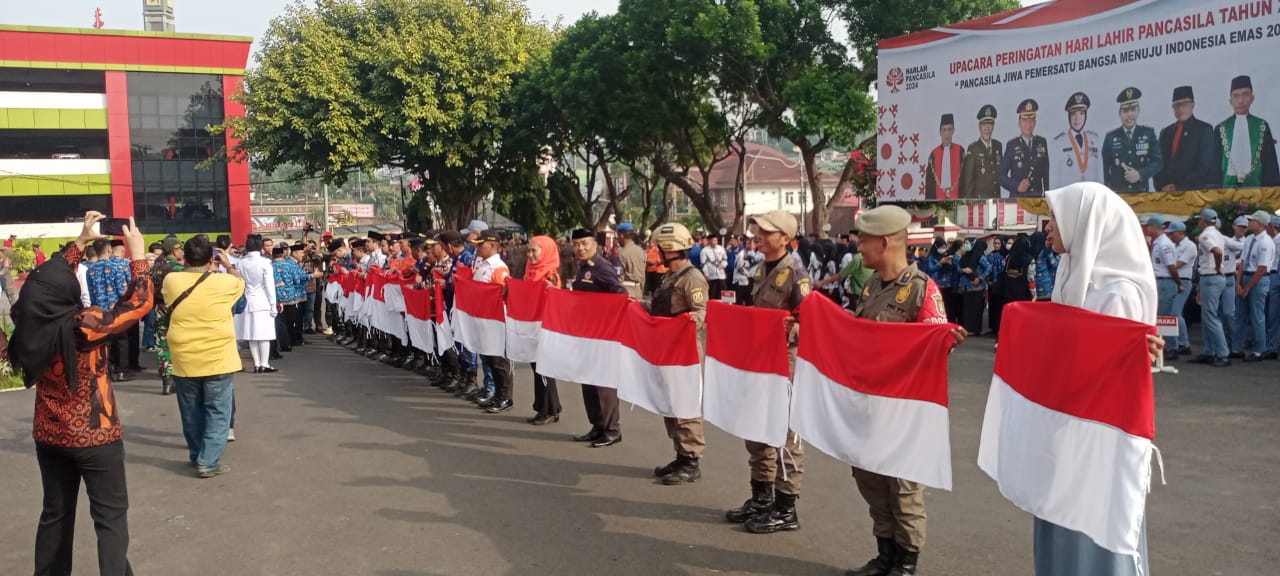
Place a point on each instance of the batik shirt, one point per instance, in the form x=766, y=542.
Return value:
x=108, y=279
x=89, y=417
x=291, y=281
x=1046, y=271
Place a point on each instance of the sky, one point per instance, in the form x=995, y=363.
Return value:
x=233, y=17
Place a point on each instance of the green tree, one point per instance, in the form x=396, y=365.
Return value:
x=414, y=84
x=284, y=221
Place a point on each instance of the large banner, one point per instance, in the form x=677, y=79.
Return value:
x=1153, y=98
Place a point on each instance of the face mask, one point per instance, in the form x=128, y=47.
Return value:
x=968, y=246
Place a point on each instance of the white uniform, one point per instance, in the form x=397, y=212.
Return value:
x=1067, y=155
x=260, y=298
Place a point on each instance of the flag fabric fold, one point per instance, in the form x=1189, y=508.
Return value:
x=479, y=315
x=660, y=371
x=440, y=317
x=524, y=319
x=581, y=337
x=746, y=375
x=417, y=319
x=874, y=394
x=1070, y=421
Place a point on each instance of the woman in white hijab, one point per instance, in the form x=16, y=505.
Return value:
x=1105, y=268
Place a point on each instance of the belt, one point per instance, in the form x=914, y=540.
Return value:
x=630, y=283
x=1208, y=275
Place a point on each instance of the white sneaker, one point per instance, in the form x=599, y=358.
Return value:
x=328, y=331
x=231, y=434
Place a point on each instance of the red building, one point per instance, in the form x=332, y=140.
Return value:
x=118, y=121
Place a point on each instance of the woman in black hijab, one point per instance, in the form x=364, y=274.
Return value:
x=974, y=287
x=61, y=348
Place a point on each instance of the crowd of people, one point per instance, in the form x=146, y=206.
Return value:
x=269, y=297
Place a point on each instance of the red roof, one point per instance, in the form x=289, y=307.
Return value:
x=765, y=165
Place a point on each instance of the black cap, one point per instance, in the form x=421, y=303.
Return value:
x=1028, y=108
x=1241, y=82
x=298, y=247
x=987, y=114
x=375, y=235
x=278, y=251
x=1078, y=100
x=334, y=245
x=1183, y=94
x=582, y=233
x=358, y=244
x=417, y=242
x=393, y=237
x=450, y=237
x=1129, y=96
x=948, y=120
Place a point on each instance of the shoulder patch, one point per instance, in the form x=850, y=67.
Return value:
x=937, y=300
x=804, y=286
x=699, y=295
x=902, y=294
x=782, y=277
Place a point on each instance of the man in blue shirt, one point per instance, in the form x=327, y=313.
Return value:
x=695, y=253
x=108, y=279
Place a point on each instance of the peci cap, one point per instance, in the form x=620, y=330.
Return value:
x=1209, y=215
x=1128, y=97
x=987, y=114
x=1078, y=101
x=1156, y=221
x=1028, y=108
x=1262, y=216
x=1176, y=226
x=581, y=233
x=278, y=251
x=375, y=235
x=1241, y=83
x=334, y=245
x=299, y=247
x=884, y=220
x=948, y=120
x=776, y=221
x=1183, y=94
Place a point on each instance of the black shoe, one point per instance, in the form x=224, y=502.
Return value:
x=486, y=403
x=1221, y=362
x=684, y=473
x=544, y=419
x=661, y=471
x=782, y=516
x=1253, y=358
x=499, y=406
x=1236, y=355
x=1272, y=355
x=761, y=501
x=1202, y=359
x=882, y=564
x=284, y=349
x=591, y=435
x=905, y=565
x=1184, y=351
x=607, y=440
x=269, y=370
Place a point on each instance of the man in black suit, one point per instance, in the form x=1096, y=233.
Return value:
x=1187, y=148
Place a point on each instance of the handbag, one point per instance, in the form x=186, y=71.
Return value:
x=240, y=305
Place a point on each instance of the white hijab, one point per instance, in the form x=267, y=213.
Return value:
x=1106, y=251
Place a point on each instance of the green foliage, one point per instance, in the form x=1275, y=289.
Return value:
x=10, y=377
x=22, y=257
x=417, y=84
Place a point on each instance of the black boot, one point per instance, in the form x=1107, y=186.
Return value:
x=759, y=502
x=782, y=516
x=685, y=472
x=663, y=470
x=882, y=564
x=905, y=565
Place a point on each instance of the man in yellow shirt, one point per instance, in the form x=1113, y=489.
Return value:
x=202, y=343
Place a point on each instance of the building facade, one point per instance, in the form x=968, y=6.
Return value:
x=120, y=121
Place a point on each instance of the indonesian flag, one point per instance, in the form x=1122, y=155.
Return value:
x=524, y=318
x=660, y=372
x=417, y=318
x=478, y=316
x=747, y=372
x=393, y=309
x=1070, y=420
x=874, y=394
x=440, y=316
x=581, y=337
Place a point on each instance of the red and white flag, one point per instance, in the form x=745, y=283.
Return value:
x=440, y=316
x=1070, y=420
x=581, y=337
x=417, y=318
x=660, y=371
x=524, y=319
x=874, y=394
x=393, y=309
x=747, y=372
x=479, y=315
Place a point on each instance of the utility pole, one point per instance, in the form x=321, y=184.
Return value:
x=324, y=220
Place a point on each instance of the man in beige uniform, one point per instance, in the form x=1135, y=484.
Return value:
x=684, y=289
x=898, y=292
x=780, y=283
x=632, y=257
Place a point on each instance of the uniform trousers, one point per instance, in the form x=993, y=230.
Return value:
x=293, y=321
x=975, y=303
x=546, y=397
x=954, y=303
x=896, y=507
x=1273, y=313
x=1179, y=304
x=1212, y=287
x=1252, y=312
x=602, y=409
x=503, y=378
x=686, y=436
x=763, y=460
x=995, y=309
x=102, y=469
x=716, y=288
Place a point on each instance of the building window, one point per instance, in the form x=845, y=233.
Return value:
x=169, y=117
x=791, y=197
x=40, y=210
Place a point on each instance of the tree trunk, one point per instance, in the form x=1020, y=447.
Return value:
x=740, y=188
x=818, y=197
x=668, y=206
x=700, y=199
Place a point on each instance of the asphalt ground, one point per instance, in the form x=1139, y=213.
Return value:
x=345, y=467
